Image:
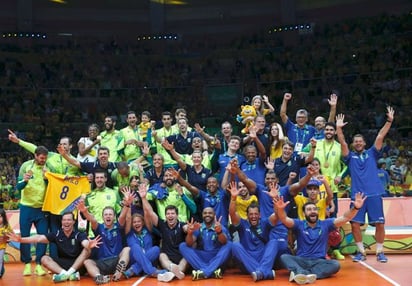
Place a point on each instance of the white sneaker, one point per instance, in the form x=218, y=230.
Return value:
x=165, y=277
x=300, y=279
x=311, y=278
x=176, y=271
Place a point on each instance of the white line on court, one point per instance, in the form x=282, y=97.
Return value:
x=139, y=281
x=379, y=273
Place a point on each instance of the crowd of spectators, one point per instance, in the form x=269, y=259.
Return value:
x=53, y=89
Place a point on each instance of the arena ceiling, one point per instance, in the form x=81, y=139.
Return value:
x=185, y=17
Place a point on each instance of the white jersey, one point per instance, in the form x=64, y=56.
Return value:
x=92, y=155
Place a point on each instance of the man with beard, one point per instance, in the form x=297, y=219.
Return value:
x=73, y=249
x=112, y=139
x=131, y=137
x=171, y=193
x=32, y=185
x=254, y=250
x=312, y=234
x=363, y=170
x=207, y=246
x=172, y=232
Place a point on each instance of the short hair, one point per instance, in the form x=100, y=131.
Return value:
x=131, y=112
x=68, y=213
x=302, y=111
x=235, y=137
x=166, y=113
x=331, y=124
x=41, y=150
x=252, y=205
x=180, y=110
x=172, y=207
x=147, y=113
x=306, y=204
x=122, y=164
x=109, y=208
x=104, y=148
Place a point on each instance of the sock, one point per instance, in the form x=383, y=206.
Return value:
x=379, y=247
x=360, y=247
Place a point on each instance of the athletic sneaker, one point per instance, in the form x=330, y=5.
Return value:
x=165, y=277
x=311, y=278
x=102, y=279
x=291, y=276
x=300, y=279
x=198, y=275
x=381, y=257
x=218, y=273
x=359, y=257
x=74, y=276
x=257, y=275
x=60, y=278
x=338, y=255
x=39, y=271
x=176, y=271
x=120, y=268
x=27, y=269
x=272, y=275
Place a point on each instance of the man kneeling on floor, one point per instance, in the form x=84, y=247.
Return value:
x=73, y=248
x=312, y=238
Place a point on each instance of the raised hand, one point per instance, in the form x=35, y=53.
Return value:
x=390, y=113
x=192, y=226
x=359, y=200
x=273, y=190
x=270, y=163
x=232, y=188
x=218, y=225
x=142, y=190
x=166, y=144
x=287, y=96
x=340, y=121
x=95, y=242
x=279, y=203
x=13, y=137
x=333, y=100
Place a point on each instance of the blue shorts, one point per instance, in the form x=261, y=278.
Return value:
x=373, y=206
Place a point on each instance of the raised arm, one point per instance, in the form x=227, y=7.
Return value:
x=259, y=145
x=234, y=192
x=333, y=101
x=148, y=210
x=83, y=209
x=170, y=147
x=280, y=206
x=350, y=214
x=67, y=157
x=295, y=188
x=385, y=128
x=192, y=189
x=283, y=108
x=265, y=100
x=339, y=132
x=311, y=155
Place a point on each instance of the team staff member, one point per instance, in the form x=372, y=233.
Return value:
x=73, y=248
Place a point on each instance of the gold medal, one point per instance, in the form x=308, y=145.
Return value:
x=326, y=165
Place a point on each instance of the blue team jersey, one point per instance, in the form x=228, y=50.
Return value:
x=112, y=240
x=207, y=238
x=299, y=135
x=312, y=242
x=144, y=239
x=363, y=170
x=255, y=171
x=254, y=240
x=219, y=202
x=199, y=180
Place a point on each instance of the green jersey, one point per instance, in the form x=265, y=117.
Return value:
x=115, y=142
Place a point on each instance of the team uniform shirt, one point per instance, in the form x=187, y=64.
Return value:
x=183, y=145
x=91, y=167
x=171, y=238
x=115, y=142
x=363, y=171
x=169, y=196
x=384, y=177
x=67, y=247
x=152, y=176
x=254, y=238
x=207, y=238
x=4, y=230
x=206, y=161
x=119, y=181
x=320, y=204
x=312, y=241
x=112, y=240
x=197, y=179
x=32, y=195
x=224, y=159
x=255, y=171
x=280, y=231
x=143, y=239
x=91, y=156
x=282, y=169
x=131, y=151
x=55, y=162
x=64, y=192
x=219, y=202
x=98, y=199
x=299, y=136
x=330, y=158
x=164, y=133
x=242, y=204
